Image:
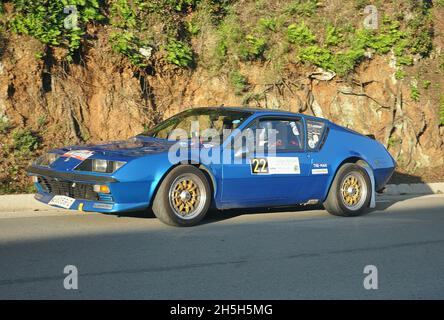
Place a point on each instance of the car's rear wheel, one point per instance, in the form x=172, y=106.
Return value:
x=183, y=198
x=350, y=191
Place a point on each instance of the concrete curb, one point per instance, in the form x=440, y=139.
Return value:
x=23, y=202
x=414, y=189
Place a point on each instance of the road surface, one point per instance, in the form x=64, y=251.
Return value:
x=245, y=254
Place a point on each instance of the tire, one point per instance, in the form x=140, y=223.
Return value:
x=183, y=197
x=350, y=192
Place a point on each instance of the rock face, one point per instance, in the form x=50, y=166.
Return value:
x=102, y=98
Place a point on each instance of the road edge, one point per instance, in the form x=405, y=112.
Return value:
x=22, y=202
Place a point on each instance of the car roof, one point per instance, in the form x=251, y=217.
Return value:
x=261, y=111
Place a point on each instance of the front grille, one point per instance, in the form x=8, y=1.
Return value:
x=71, y=189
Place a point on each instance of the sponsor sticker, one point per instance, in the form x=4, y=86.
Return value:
x=319, y=171
x=102, y=206
x=319, y=168
x=275, y=165
x=79, y=154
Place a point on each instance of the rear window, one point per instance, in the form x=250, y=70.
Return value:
x=315, y=131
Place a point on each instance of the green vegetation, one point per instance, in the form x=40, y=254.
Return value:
x=127, y=44
x=426, y=84
x=414, y=93
x=253, y=48
x=300, y=34
x=256, y=45
x=179, y=53
x=235, y=43
x=47, y=21
x=4, y=124
x=25, y=141
x=441, y=61
x=141, y=26
x=267, y=24
x=400, y=74
x=239, y=82
x=333, y=36
x=302, y=7
x=393, y=142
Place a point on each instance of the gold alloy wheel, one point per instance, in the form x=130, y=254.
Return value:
x=186, y=197
x=353, y=191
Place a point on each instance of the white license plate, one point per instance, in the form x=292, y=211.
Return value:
x=62, y=201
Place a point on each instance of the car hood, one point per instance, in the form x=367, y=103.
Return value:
x=134, y=147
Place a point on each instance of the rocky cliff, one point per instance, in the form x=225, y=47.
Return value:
x=301, y=56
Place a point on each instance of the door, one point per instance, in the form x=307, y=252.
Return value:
x=271, y=167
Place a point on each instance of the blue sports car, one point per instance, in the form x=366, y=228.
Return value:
x=223, y=158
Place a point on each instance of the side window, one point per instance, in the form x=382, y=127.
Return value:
x=284, y=135
x=315, y=130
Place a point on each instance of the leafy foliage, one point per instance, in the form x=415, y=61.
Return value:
x=302, y=7
x=318, y=56
x=238, y=81
x=130, y=46
x=47, y=21
x=24, y=141
x=300, y=34
x=132, y=25
x=179, y=53
x=269, y=24
x=414, y=93
x=333, y=37
x=252, y=48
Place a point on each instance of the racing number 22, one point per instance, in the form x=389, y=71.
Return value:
x=259, y=165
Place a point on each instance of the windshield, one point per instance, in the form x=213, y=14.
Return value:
x=202, y=123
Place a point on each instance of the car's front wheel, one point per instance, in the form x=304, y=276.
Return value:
x=183, y=197
x=350, y=191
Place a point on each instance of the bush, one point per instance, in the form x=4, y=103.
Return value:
x=333, y=36
x=318, y=56
x=400, y=74
x=45, y=21
x=127, y=44
x=267, y=24
x=25, y=141
x=239, y=82
x=414, y=93
x=179, y=53
x=302, y=7
x=300, y=34
x=252, y=48
x=344, y=63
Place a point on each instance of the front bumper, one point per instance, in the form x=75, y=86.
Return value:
x=123, y=196
x=93, y=206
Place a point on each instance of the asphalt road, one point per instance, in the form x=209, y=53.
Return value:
x=243, y=254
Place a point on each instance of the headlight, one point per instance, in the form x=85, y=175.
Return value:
x=100, y=165
x=117, y=165
x=47, y=159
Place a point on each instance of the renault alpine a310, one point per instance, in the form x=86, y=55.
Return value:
x=222, y=158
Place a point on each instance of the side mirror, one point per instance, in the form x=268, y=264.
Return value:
x=242, y=152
